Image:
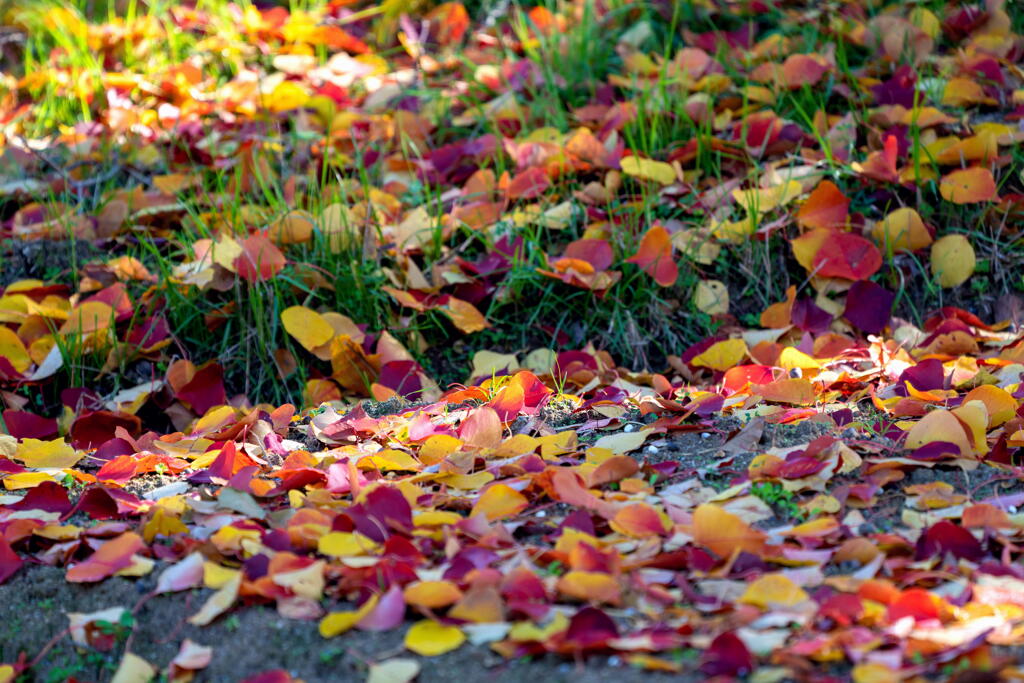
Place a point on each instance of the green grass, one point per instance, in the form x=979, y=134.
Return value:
x=637, y=321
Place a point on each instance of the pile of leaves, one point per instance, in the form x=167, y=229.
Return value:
x=763, y=211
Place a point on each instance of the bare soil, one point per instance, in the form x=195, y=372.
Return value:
x=246, y=641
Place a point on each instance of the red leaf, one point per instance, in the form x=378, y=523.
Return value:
x=914, y=602
x=826, y=207
x=260, y=259
x=22, y=424
x=727, y=656
x=655, y=256
x=205, y=390
x=114, y=555
x=9, y=560
x=946, y=537
x=118, y=471
x=847, y=256
x=590, y=627
x=96, y=428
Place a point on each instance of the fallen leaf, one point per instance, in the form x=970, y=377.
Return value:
x=430, y=639
x=952, y=261
x=969, y=186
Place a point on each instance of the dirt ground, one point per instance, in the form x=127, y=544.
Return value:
x=252, y=639
x=247, y=641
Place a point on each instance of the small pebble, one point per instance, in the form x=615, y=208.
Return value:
x=652, y=449
x=628, y=428
x=614, y=661
x=542, y=513
x=1012, y=509
x=705, y=435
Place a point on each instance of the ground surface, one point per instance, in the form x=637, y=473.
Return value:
x=575, y=339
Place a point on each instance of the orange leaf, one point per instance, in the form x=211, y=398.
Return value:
x=795, y=391
x=464, y=315
x=640, y=521
x=723, y=532
x=482, y=428
x=939, y=425
x=1000, y=404
x=431, y=594
x=113, y=556
x=826, y=207
x=480, y=604
x=295, y=227
x=500, y=501
x=590, y=587
x=969, y=186
x=655, y=256
x=260, y=259
x=986, y=515
x=801, y=70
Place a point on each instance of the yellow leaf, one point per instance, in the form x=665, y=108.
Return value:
x=287, y=95
x=711, y=297
x=26, y=480
x=43, y=454
x=772, y=590
x=722, y=355
x=13, y=349
x=527, y=631
x=874, y=673
x=466, y=482
x=648, y=169
x=436, y=518
x=337, y=623
x=218, y=603
x=308, y=327
x=806, y=246
x=486, y=363
x=133, y=669
x=623, y=442
x=762, y=200
x=393, y=460
x=397, y=670
x=901, y=230
x=438, y=447
x=429, y=638
x=217, y=576
x=307, y=582
x=794, y=358
x=345, y=544
x=953, y=260
x=737, y=232
x=926, y=21
x=969, y=186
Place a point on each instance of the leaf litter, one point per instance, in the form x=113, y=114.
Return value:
x=822, y=487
